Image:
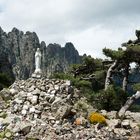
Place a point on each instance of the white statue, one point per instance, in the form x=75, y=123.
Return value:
x=38, y=61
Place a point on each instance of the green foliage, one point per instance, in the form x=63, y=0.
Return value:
x=87, y=67
x=98, y=64
x=5, y=80
x=135, y=108
x=6, y=134
x=111, y=99
x=133, y=49
x=62, y=76
x=75, y=81
x=81, y=105
x=100, y=74
x=81, y=83
x=113, y=54
x=88, y=60
x=99, y=81
x=3, y=115
x=136, y=87
x=5, y=95
x=32, y=139
x=74, y=66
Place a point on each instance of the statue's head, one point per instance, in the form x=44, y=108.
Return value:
x=38, y=49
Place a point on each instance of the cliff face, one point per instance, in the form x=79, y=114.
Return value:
x=5, y=66
x=17, y=50
x=59, y=58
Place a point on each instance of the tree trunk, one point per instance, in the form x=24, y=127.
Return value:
x=128, y=104
x=125, y=80
x=109, y=74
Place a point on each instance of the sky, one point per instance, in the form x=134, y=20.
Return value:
x=90, y=25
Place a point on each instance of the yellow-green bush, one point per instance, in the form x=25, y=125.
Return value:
x=81, y=105
x=6, y=134
x=95, y=117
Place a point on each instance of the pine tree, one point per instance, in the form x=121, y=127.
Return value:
x=122, y=58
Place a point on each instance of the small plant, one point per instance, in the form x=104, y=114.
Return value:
x=82, y=105
x=95, y=117
x=111, y=99
x=5, y=80
x=3, y=115
x=139, y=126
x=6, y=134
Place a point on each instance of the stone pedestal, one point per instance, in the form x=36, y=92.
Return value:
x=37, y=75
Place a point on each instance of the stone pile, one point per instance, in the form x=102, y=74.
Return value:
x=47, y=109
x=35, y=97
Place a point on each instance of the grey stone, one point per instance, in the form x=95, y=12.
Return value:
x=25, y=128
x=126, y=124
x=32, y=88
x=56, y=101
x=18, y=101
x=112, y=114
x=36, y=92
x=24, y=112
x=13, y=91
x=113, y=123
x=34, y=99
x=63, y=112
x=32, y=109
x=25, y=107
x=132, y=115
x=52, y=99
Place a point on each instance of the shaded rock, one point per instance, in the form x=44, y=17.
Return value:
x=63, y=112
x=6, y=94
x=25, y=129
x=8, y=134
x=13, y=91
x=126, y=124
x=132, y=115
x=112, y=114
x=114, y=123
x=34, y=99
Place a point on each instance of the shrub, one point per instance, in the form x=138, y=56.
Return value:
x=111, y=99
x=6, y=134
x=3, y=115
x=81, y=105
x=136, y=86
x=95, y=117
x=135, y=108
x=5, y=80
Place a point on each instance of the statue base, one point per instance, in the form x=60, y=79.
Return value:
x=37, y=74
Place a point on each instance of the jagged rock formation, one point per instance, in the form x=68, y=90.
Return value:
x=19, y=48
x=5, y=65
x=17, y=51
x=58, y=58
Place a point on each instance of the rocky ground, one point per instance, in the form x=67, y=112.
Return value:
x=50, y=109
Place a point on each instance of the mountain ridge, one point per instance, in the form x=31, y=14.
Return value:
x=18, y=48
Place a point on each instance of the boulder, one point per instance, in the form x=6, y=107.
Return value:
x=126, y=124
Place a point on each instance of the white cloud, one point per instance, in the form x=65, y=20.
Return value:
x=90, y=25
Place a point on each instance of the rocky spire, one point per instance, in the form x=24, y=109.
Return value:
x=20, y=48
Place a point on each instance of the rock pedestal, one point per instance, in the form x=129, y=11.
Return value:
x=37, y=75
